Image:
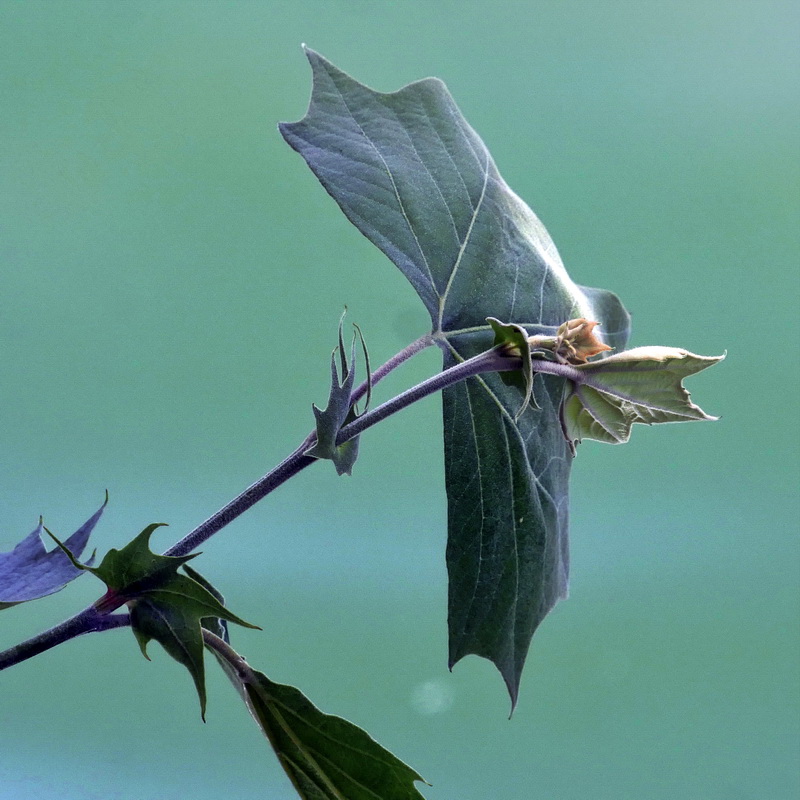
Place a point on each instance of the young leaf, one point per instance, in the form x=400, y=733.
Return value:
x=164, y=604
x=340, y=410
x=639, y=385
x=411, y=174
x=172, y=615
x=515, y=339
x=29, y=571
x=325, y=757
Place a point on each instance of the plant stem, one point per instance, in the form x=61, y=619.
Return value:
x=237, y=662
x=290, y=466
x=490, y=361
x=88, y=621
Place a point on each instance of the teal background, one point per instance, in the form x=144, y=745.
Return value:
x=171, y=276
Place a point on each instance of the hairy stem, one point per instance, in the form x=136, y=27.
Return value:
x=290, y=466
x=490, y=361
x=88, y=621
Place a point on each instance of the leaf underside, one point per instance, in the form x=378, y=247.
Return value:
x=29, y=572
x=643, y=385
x=411, y=174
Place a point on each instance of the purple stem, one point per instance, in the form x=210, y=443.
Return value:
x=90, y=620
x=290, y=466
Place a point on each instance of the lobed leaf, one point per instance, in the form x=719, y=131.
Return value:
x=135, y=568
x=29, y=572
x=340, y=409
x=412, y=175
x=641, y=385
x=172, y=615
x=164, y=604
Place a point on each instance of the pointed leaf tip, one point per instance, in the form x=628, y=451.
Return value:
x=325, y=757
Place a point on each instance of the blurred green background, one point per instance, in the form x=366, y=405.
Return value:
x=171, y=276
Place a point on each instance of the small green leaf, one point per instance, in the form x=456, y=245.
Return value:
x=341, y=409
x=171, y=615
x=515, y=338
x=325, y=757
x=640, y=385
x=164, y=604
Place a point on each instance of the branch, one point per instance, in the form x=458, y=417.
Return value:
x=289, y=467
x=490, y=361
x=90, y=620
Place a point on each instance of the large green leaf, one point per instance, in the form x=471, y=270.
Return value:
x=413, y=176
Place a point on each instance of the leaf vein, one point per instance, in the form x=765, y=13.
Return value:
x=394, y=184
x=462, y=248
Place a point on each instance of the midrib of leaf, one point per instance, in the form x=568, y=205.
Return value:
x=603, y=389
x=394, y=187
x=463, y=245
x=319, y=731
x=505, y=413
x=156, y=610
x=596, y=416
x=304, y=750
x=274, y=704
x=212, y=611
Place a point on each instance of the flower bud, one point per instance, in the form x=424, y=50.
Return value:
x=576, y=342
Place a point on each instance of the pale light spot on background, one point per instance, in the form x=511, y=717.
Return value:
x=431, y=697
